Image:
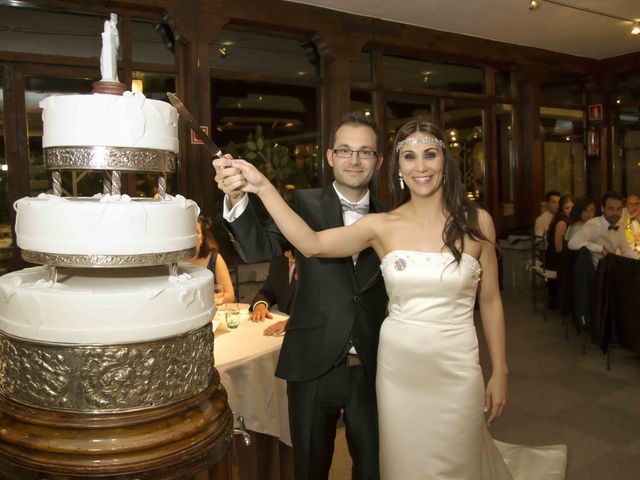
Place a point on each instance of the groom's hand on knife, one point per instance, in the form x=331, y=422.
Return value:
x=229, y=179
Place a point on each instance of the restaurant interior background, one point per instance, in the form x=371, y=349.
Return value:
x=270, y=77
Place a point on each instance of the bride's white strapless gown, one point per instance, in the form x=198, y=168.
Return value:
x=429, y=383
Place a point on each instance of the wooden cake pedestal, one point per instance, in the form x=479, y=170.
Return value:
x=185, y=440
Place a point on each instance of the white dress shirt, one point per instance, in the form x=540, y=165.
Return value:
x=596, y=236
x=542, y=223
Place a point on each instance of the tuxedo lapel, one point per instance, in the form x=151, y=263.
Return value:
x=333, y=214
x=368, y=264
x=331, y=208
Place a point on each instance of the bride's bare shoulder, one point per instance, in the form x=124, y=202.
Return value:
x=485, y=222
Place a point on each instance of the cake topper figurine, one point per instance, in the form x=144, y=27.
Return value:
x=109, y=59
x=109, y=54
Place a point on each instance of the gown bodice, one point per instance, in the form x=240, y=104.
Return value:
x=431, y=286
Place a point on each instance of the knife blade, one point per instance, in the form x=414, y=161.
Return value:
x=193, y=125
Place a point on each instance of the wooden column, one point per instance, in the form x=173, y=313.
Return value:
x=600, y=170
x=336, y=52
x=194, y=32
x=529, y=190
x=16, y=146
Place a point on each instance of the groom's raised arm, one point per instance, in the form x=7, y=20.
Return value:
x=253, y=241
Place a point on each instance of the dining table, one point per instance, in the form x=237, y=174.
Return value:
x=246, y=361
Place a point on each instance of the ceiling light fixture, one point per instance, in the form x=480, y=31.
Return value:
x=535, y=4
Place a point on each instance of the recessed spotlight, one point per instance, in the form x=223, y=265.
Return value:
x=636, y=29
x=534, y=4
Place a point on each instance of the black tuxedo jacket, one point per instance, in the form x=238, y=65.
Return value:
x=276, y=289
x=335, y=300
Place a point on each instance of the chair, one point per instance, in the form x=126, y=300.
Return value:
x=616, y=305
x=566, y=294
x=539, y=270
x=583, y=284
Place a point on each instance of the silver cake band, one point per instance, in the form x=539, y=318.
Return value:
x=109, y=158
x=107, y=378
x=107, y=261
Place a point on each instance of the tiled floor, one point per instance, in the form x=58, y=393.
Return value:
x=559, y=395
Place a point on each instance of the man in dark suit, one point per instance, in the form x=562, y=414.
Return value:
x=328, y=355
x=278, y=288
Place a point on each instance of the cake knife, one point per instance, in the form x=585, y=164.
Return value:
x=193, y=125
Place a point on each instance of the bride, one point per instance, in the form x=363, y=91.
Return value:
x=438, y=252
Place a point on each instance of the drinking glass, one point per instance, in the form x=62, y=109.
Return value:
x=232, y=315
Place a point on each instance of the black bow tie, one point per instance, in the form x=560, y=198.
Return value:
x=360, y=208
x=614, y=227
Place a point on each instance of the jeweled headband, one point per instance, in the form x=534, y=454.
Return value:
x=412, y=141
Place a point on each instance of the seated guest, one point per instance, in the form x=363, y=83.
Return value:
x=631, y=220
x=584, y=209
x=278, y=288
x=555, y=240
x=603, y=235
x=543, y=221
x=557, y=231
x=207, y=255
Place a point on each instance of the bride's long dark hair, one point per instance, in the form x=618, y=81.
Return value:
x=461, y=214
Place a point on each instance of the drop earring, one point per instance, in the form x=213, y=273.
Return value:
x=401, y=181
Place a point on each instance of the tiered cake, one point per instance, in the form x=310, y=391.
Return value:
x=106, y=351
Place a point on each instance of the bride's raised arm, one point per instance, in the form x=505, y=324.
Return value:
x=334, y=242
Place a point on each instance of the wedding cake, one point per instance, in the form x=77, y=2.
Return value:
x=106, y=224
x=105, y=306
x=110, y=338
x=129, y=120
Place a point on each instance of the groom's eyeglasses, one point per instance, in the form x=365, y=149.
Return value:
x=362, y=154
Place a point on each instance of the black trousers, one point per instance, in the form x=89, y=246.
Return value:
x=314, y=410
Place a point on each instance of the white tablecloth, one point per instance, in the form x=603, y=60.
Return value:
x=246, y=360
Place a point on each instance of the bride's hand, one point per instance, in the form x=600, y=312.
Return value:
x=255, y=181
x=495, y=396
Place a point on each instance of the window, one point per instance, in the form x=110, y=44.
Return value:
x=6, y=241
x=404, y=72
x=561, y=89
x=503, y=83
x=564, y=156
x=465, y=135
x=256, y=52
x=506, y=160
x=628, y=126
x=152, y=43
x=33, y=31
x=272, y=125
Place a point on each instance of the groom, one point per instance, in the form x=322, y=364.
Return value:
x=328, y=355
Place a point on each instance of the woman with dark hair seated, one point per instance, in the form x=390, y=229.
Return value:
x=207, y=255
x=556, y=232
x=583, y=210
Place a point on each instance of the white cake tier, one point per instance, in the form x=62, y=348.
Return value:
x=105, y=306
x=130, y=120
x=105, y=224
